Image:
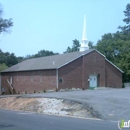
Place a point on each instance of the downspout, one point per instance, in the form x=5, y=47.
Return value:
x=83, y=85
x=57, y=79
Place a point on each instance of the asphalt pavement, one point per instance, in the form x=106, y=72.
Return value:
x=111, y=103
x=16, y=120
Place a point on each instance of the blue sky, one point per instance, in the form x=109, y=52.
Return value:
x=53, y=24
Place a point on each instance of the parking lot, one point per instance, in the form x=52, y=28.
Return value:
x=111, y=103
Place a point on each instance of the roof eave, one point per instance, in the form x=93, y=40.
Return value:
x=27, y=70
x=109, y=61
x=74, y=59
x=114, y=65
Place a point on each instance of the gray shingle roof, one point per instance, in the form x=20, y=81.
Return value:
x=48, y=62
x=51, y=62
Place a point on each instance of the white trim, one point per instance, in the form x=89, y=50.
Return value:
x=114, y=65
x=109, y=61
x=73, y=60
x=57, y=78
x=100, y=53
x=88, y=53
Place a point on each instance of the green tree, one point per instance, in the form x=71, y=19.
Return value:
x=116, y=48
x=3, y=66
x=90, y=44
x=126, y=28
x=41, y=53
x=5, y=24
x=7, y=58
x=75, y=47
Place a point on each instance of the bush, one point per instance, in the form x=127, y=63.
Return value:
x=123, y=86
x=44, y=90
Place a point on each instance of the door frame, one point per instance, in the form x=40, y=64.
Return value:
x=96, y=75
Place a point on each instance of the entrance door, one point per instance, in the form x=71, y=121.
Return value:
x=93, y=81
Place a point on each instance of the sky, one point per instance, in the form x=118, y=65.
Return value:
x=53, y=24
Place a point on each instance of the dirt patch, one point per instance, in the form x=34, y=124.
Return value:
x=48, y=106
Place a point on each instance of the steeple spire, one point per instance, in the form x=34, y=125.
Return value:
x=84, y=43
x=84, y=29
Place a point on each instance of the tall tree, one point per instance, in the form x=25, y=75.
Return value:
x=3, y=66
x=7, y=58
x=116, y=46
x=41, y=53
x=75, y=47
x=5, y=24
x=90, y=44
x=126, y=28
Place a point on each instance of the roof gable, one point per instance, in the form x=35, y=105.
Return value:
x=51, y=62
x=109, y=61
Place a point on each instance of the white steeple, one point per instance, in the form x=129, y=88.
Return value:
x=84, y=43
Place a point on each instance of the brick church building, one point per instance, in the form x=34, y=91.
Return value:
x=82, y=69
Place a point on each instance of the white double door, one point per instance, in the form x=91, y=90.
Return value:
x=93, y=80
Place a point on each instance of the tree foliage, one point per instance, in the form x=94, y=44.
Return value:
x=116, y=46
x=5, y=24
x=76, y=46
x=40, y=53
x=126, y=29
x=3, y=66
x=8, y=58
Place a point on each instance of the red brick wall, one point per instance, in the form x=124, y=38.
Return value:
x=94, y=63
x=71, y=75
x=76, y=73
x=114, y=76
x=31, y=81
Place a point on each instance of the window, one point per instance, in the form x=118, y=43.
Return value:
x=60, y=80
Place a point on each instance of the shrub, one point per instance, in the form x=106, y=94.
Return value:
x=123, y=86
x=44, y=90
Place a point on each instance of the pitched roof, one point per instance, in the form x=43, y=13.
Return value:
x=47, y=62
x=50, y=62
